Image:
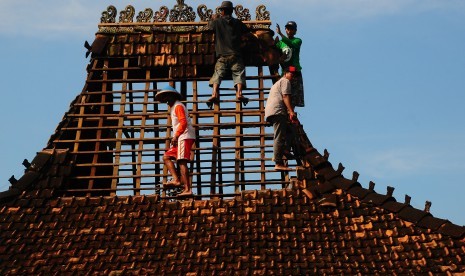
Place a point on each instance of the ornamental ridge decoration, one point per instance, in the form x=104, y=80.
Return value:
x=145, y=16
x=179, y=13
x=182, y=13
x=127, y=15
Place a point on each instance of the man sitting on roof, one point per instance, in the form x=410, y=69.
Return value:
x=181, y=143
x=228, y=33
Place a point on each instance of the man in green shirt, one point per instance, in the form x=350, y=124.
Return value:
x=290, y=46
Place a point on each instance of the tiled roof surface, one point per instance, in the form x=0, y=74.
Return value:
x=324, y=224
x=284, y=232
x=188, y=54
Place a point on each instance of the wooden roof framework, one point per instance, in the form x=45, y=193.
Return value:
x=65, y=215
x=117, y=133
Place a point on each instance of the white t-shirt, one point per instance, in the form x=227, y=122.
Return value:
x=275, y=104
x=189, y=133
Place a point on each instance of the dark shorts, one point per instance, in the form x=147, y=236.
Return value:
x=225, y=63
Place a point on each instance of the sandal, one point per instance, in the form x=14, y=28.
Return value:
x=243, y=99
x=172, y=184
x=212, y=101
x=282, y=168
x=185, y=194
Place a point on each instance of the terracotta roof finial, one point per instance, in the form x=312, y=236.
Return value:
x=355, y=176
x=407, y=199
x=326, y=154
x=12, y=180
x=427, y=206
x=390, y=190
x=340, y=168
x=371, y=186
x=26, y=164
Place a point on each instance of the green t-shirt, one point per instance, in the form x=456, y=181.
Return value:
x=291, y=48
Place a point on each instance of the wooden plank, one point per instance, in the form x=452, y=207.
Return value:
x=98, y=135
x=140, y=148
x=216, y=151
x=261, y=107
x=238, y=152
x=82, y=109
x=119, y=135
x=195, y=121
x=156, y=130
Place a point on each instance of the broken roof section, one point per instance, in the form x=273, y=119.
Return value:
x=115, y=132
x=174, y=38
x=91, y=203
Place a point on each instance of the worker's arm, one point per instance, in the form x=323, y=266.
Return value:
x=179, y=111
x=295, y=43
x=287, y=103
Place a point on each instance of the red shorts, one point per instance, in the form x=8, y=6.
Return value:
x=182, y=151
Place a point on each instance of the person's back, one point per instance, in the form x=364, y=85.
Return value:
x=228, y=33
x=279, y=111
x=275, y=104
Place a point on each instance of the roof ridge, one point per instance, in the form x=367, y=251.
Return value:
x=52, y=160
x=334, y=178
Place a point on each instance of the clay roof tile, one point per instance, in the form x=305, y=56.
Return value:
x=394, y=206
x=359, y=192
x=453, y=230
x=431, y=222
x=411, y=214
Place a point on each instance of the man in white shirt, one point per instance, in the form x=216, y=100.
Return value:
x=181, y=142
x=279, y=111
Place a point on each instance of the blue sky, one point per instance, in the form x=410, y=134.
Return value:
x=383, y=80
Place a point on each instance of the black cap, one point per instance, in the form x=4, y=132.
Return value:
x=227, y=5
x=291, y=25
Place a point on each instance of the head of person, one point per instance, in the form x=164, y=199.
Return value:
x=289, y=72
x=291, y=28
x=168, y=95
x=226, y=8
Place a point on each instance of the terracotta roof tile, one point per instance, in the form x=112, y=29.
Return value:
x=159, y=60
x=412, y=215
x=165, y=48
x=284, y=232
x=452, y=230
x=431, y=222
x=393, y=206
x=359, y=192
x=121, y=38
x=140, y=49
x=153, y=49
x=146, y=38
x=377, y=199
x=344, y=183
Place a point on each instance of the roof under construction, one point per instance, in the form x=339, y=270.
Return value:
x=92, y=202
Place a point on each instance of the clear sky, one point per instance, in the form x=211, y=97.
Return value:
x=384, y=85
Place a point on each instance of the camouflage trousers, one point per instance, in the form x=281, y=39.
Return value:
x=297, y=87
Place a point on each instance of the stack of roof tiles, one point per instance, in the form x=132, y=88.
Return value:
x=326, y=224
